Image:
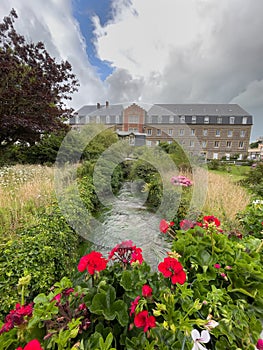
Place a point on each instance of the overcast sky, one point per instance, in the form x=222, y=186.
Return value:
x=154, y=51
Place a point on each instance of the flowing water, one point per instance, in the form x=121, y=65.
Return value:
x=129, y=219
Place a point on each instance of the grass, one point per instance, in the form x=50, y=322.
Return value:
x=23, y=190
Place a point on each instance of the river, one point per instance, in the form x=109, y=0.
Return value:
x=129, y=219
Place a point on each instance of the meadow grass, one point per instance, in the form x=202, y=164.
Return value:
x=23, y=190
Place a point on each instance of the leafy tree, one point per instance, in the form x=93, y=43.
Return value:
x=33, y=88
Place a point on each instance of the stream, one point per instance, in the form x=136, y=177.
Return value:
x=129, y=219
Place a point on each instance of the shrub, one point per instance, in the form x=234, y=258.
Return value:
x=46, y=252
x=251, y=219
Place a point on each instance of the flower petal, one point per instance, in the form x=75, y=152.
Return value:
x=195, y=334
x=205, y=336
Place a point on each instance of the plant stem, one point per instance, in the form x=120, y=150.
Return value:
x=23, y=295
x=259, y=247
x=183, y=343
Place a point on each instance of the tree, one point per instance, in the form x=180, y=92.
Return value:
x=33, y=88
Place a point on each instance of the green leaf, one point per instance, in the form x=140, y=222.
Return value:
x=126, y=280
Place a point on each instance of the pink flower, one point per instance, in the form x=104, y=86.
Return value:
x=134, y=304
x=260, y=344
x=146, y=291
x=32, y=345
x=187, y=224
x=217, y=266
x=143, y=320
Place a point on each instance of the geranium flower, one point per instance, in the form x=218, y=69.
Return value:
x=134, y=304
x=16, y=317
x=165, y=225
x=92, y=262
x=143, y=320
x=171, y=267
x=211, y=219
x=197, y=338
x=187, y=224
x=217, y=266
x=126, y=252
x=260, y=344
x=32, y=345
x=146, y=291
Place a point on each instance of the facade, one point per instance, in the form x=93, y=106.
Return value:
x=211, y=130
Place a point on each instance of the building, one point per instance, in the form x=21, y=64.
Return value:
x=211, y=130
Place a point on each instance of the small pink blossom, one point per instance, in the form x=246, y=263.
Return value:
x=217, y=266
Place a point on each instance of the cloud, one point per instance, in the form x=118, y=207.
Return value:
x=52, y=22
x=186, y=51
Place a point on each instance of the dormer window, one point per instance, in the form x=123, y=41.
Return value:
x=244, y=120
x=231, y=120
x=171, y=119
x=206, y=120
x=182, y=119
x=193, y=119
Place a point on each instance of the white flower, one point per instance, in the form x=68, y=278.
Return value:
x=197, y=338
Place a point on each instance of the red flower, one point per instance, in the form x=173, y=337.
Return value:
x=211, y=219
x=143, y=320
x=187, y=224
x=32, y=345
x=93, y=261
x=171, y=267
x=136, y=255
x=126, y=252
x=16, y=317
x=164, y=225
x=134, y=304
x=146, y=291
x=260, y=344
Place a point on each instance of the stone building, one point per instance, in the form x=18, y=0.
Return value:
x=211, y=130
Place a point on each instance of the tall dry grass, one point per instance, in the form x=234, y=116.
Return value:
x=216, y=194
x=23, y=189
x=225, y=198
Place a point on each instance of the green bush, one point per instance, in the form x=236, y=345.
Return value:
x=47, y=252
x=253, y=180
x=251, y=219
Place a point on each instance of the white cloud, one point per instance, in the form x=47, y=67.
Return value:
x=52, y=22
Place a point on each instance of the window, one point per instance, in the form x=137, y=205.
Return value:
x=241, y=144
x=170, y=142
x=159, y=132
x=231, y=120
x=149, y=132
x=148, y=142
x=181, y=132
x=219, y=120
x=216, y=144
x=149, y=118
x=98, y=119
x=242, y=133
x=244, y=120
x=192, y=132
x=170, y=132
x=182, y=119
x=206, y=120
x=230, y=133
x=204, y=144
x=193, y=119
x=205, y=132
x=87, y=119
x=171, y=119
x=157, y=142
x=133, y=119
x=192, y=143
x=215, y=155
x=117, y=119
x=107, y=119
x=217, y=133
x=229, y=144
x=159, y=119
x=133, y=129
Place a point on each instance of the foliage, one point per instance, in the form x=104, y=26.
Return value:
x=46, y=252
x=33, y=87
x=210, y=281
x=253, y=180
x=251, y=219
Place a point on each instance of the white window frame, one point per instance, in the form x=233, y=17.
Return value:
x=182, y=119
x=204, y=144
x=230, y=133
x=192, y=132
x=192, y=143
x=241, y=144
x=193, y=119
x=216, y=144
x=231, y=120
x=149, y=132
x=206, y=120
x=181, y=132
x=242, y=133
x=217, y=133
x=205, y=132
x=158, y=132
x=244, y=120
x=170, y=132
x=219, y=120
x=171, y=119
x=228, y=144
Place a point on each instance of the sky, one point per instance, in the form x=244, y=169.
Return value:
x=154, y=51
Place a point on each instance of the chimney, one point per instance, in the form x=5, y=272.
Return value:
x=98, y=105
x=107, y=104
